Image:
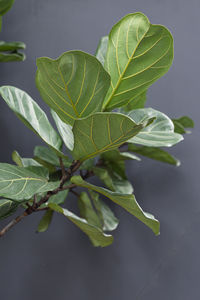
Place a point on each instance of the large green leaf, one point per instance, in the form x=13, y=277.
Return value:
x=128, y=202
x=7, y=208
x=5, y=5
x=65, y=131
x=138, y=54
x=182, y=123
x=74, y=85
x=102, y=132
x=31, y=115
x=93, y=232
x=19, y=184
x=155, y=153
x=158, y=134
x=102, y=49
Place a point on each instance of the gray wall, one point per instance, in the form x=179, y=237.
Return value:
x=62, y=264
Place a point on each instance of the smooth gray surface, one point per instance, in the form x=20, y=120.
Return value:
x=62, y=264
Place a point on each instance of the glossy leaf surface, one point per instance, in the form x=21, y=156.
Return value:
x=128, y=202
x=93, y=232
x=138, y=54
x=7, y=208
x=102, y=132
x=31, y=115
x=158, y=134
x=20, y=184
x=102, y=49
x=74, y=85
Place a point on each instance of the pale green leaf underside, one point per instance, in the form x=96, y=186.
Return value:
x=128, y=202
x=102, y=49
x=20, y=184
x=74, y=85
x=31, y=115
x=138, y=54
x=93, y=232
x=7, y=208
x=158, y=134
x=102, y=132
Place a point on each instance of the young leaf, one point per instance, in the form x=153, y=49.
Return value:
x=65, y=131
x=138, y=54
x=45, y=221
x=93, y=232
x=20, y=184
x=31, y=115
x=158, y=134
x=7, y=208
x=128, y=202
x=8, y=57
x=5, y=5
x=102, y=49
x=74, y=85
x=109, y=221
x=12, y=46
x=182, y=123
x=102, y=132
x=155, y=153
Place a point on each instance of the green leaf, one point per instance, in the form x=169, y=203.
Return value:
x=12, y=46
x=65, y=131
x=31, y=115
x=7, y=208
x=24, y=162
x=19, y=184
x=102, y=49
x=102, y=132
x=128, y=202
x=5, y=5
x=182, y=123
x=74, y=85
x=138, y=54
x=127, y=155
x=59, y=198
x=155, y=153
x=138, y=102
x=45, y=221
x=109, y=221
x=158, y=134
x=93, y=232
x=44, y=154
x=8, y=57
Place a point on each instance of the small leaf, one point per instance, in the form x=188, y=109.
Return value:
x=5, y=5
x=102, y=132
x=128, y=202
x=8, y=57
x=45, y=221
x=138, y=54
x=74, y=85
x=7, y=208
x=114, y=161
x=110, y=222
x=93, y=232
x=19, y=184
x=65, y=131
x=155, y=153
x=59, y=198
x=44, y=154
x=182, y=123
x=31, y=115
x=12, y=46
x=102, y=49
x=158, y=134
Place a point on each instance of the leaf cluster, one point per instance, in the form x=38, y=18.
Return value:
x=98, y=105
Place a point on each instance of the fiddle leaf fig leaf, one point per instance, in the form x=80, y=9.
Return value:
x=7, y=208
x=102, y=49
x=74, y=85
x=59, y=198
x=98, y=237
x=19, y=184
x=138, y=102
x=182, y=123
x=45, y=221
x=109, y=221
x=43, y=154
x=8, y=57
x=11, y=46
x=31, y=115
x=5, y=6
x=65, y=131
x=138, y=54
x=158, y=134
x=155, y=153
x=9, y=51
x=102, y=132
x=128, y=202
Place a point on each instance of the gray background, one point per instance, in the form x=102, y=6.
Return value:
x=62, y=264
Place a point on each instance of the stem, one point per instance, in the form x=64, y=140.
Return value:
x=13, y=223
